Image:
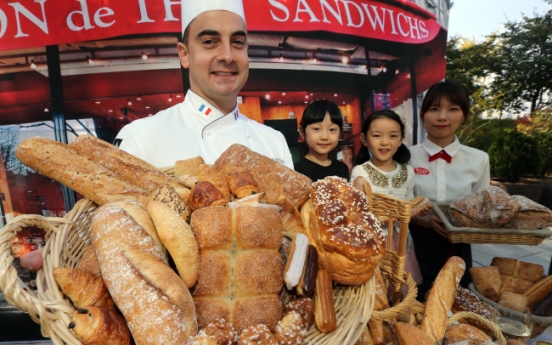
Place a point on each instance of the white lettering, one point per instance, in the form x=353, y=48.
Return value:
x=85, y=17
x=19, y=9
x=377, y=20
x=305, y=9
x=404, y=33
x=98, y=17
x=392, y=20
x=3, y=23
x=168, y=10
x=424, y=32
x=349, y=17
x=335, y=13
x=143, y=12
x=414, y=27
x=281, y=7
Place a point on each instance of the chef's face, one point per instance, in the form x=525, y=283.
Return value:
x=216, y=56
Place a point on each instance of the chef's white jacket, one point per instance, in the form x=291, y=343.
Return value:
x=444, y=182
x=196, y=128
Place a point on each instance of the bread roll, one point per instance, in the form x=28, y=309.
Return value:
x=513, y=301
x=411, y=335
x=487, y=281
x=257, y=335
x=89, y=261
x=348, y=238
x=240, y=267
x=530, y=216
x=462, y=332
x=124, y=165
x=519, y=269
x=83, y=288
x=491, y=207
x=441, y=297
x=187, y=166
x=271, y=176
x=169, y=213
x=62, y=163
x=99, y=326
x=153, y=299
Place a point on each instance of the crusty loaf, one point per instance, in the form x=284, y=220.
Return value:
x=411, y=335
x=518, y=269
x=60, y=162
x=461, y=332
x=530, y=216
x=241, y=269
x=487, y=281
x=468, y=301
x=99, y=326
x=153, y=299
x=271, y=176
x=126, y=166
x=441, y=297
x=349, y=239
x=187, y=166
x=490, y=207
x=513, y=301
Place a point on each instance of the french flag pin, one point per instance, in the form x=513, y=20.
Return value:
x=205, y=110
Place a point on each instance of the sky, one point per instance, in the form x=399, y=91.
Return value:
x=478, y=18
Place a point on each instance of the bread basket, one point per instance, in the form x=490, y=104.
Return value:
x=497, y=236
x=470, y=317
x=67, y=237
x=540, y=323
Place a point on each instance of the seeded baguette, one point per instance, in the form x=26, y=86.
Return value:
x=62, y=163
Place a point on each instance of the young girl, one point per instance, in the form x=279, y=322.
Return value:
x=320, y=129
x=445, y=171
x=387, y=171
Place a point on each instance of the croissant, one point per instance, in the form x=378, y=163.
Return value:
x=83, y=288
x=207, y=173
x=99, y=326
x=291, y=218
x=205, y=194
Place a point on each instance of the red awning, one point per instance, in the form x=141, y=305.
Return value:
x=49, y=22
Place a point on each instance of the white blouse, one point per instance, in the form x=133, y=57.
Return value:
x=444, y=182
x=396, y=186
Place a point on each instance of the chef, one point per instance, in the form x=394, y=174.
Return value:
x=214, y=50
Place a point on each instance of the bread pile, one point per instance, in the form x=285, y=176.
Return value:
x=516, y=283
x=492, y=207
x=199, y=258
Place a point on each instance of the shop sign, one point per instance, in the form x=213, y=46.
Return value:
x=25, y=24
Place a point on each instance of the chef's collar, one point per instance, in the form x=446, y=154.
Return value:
x=431, y=148
x=207, y=112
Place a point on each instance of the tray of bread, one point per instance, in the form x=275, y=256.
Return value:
x=491, y=215
x=233, y=252
x=511, y=282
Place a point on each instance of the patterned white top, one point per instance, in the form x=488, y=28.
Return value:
x=391, y=183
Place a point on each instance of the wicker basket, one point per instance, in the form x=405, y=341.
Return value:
x=480, y=320
x=67, y=238
x=498, y=236
x=540, y=323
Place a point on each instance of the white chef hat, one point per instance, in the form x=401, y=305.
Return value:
x=193, y=8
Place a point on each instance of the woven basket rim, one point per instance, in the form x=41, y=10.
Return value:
x=476, y=317
x=441, y=211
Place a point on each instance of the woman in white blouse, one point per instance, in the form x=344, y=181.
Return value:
x=444, y=171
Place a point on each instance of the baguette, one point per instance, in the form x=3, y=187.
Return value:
x=152, y=298
x=62, y=163
x=441, y=297
x=124, y=165
x=538, y=291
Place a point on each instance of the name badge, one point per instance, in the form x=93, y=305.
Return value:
x=421, y=171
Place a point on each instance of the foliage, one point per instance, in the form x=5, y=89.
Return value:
x=514, y=155
x=524, y=57
x=481, y=133
x=539, y=125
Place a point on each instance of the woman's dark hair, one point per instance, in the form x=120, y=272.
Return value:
x=403, y=153
x=316, y=112
x=454, y=90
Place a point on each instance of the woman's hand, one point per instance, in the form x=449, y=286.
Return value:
x=431, y=222
x=32, y=260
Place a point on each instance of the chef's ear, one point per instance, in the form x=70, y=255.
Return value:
x=183, y=54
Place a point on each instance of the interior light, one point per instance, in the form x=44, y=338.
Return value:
x=397, y=71
x=335, y=94
x=46, y=110
x=89, y=60
x=98, y=102
x=267, y=96
x=279, y=102
x=170, y=98
x=283, y=93
x=384, y=69
x=281, y=59
x=138, y=98
x=144, y=56
x=129, y=102
x=32, y=65
x=345, y=59
x=178, y=96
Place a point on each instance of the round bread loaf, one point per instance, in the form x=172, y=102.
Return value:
x=348, y=237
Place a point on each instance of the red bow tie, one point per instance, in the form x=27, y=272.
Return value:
x=441, y=154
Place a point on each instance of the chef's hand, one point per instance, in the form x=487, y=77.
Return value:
x=32, y=260
x=431, y=222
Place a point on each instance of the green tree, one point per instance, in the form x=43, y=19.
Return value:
x=524, y=56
